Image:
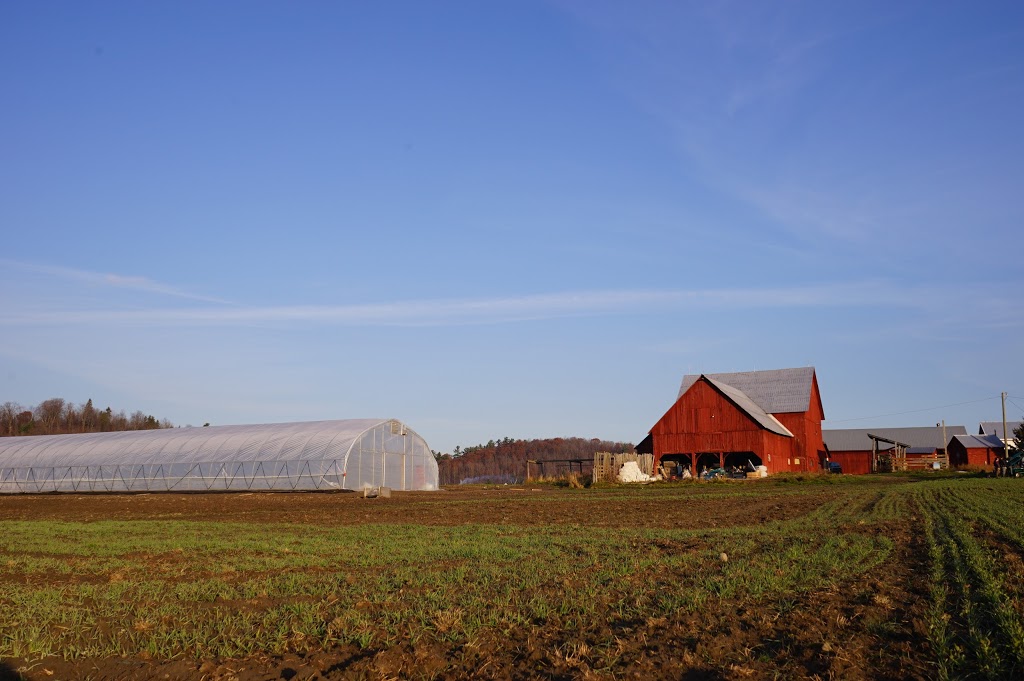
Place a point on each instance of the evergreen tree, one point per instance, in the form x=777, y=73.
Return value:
x=1018, y=438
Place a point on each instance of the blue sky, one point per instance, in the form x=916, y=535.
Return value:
x=522, y=219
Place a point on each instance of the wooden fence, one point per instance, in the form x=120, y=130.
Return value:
x=607, y=464
x=887, y=464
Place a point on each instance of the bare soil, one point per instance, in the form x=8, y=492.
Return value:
x=456, y=506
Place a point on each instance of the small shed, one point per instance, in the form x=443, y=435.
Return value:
x=975, y=450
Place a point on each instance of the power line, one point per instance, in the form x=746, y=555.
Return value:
x=1015, y=404
x=913, y=411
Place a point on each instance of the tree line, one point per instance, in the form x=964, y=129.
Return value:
x=506, y=458
x=57, y=416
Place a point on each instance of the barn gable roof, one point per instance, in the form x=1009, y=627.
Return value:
x=975, y=441
x=749, y=407
x=774, y=391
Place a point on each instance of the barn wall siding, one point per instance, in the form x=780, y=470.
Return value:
x=702, y=410
x=855, y=462
x=813, y=418
x=981, y=456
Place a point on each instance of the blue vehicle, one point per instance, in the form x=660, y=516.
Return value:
x=834, y=467
x=713, y=473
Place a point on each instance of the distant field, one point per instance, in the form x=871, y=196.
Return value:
x=852, y=577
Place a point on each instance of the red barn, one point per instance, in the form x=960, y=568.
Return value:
x=771, y=418
x=851, y=447
x=974, y=450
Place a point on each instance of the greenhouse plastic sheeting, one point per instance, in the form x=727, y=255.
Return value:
x=350, y=454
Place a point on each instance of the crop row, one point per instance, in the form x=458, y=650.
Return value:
x=975, y=624
x=174, y=588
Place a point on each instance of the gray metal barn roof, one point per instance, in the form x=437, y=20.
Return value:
x=975, y=441
x=856, y=439
x=996, y=428
x=741, y=400
x=776, y=391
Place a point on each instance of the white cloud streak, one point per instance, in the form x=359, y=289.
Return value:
x=110, y=279
x=497, y=310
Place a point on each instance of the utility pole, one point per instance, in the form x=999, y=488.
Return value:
x=945, y=442
x=1006, y=439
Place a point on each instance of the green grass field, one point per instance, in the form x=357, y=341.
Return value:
x=163, y=589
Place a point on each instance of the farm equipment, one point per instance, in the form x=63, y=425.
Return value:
x=1012, y=466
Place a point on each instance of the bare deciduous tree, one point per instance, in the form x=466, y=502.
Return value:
x=507, y=457
x=9, y=418
x=57, y=416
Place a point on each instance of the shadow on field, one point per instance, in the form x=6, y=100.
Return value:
x=701, y=675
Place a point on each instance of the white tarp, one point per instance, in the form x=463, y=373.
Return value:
x=630, y=472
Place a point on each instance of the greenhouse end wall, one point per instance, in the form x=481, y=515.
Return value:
x=317, y=455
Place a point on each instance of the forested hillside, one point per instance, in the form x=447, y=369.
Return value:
x=57, y=416
x=507, y=458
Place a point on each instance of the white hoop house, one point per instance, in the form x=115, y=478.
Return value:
x=315, y=455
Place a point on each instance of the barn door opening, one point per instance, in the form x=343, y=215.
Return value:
x=673, y=465
x=744, y=461
x=707, y=461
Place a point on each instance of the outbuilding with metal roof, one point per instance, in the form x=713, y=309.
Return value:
x=978, y=451
x=996, y=428
x=851, y=448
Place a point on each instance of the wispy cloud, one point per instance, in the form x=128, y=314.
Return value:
x=121, y=281
x=507, y=309
x=776, y=119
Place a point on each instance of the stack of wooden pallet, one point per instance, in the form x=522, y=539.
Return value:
x=607, y=464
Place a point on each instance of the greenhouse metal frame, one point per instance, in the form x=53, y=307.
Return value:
x=316, y=455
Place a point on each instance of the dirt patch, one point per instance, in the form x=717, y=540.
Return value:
x=708, y=506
